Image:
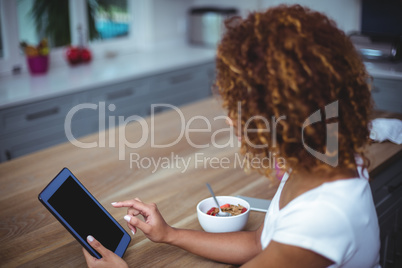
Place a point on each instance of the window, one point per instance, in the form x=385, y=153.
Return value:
x=110, y=19
x=39, y=19
x=103, y=25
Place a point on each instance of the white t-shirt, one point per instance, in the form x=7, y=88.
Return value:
x=336, y=220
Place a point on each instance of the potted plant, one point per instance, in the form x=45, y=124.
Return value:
x=37, y=56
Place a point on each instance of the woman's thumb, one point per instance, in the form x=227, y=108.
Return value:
x=97, y=246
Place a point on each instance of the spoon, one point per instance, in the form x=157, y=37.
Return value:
x=220, y=213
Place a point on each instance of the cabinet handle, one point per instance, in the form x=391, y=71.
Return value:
x=8, y=155
x=398, y=250
x=181, y=78
x=392, y=188
x=156, y=110
x=120, y=94
x=41, y=114
x=375, y=89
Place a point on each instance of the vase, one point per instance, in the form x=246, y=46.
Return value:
x=38, y=64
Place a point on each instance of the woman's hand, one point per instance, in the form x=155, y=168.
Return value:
x=109, y=258
x=153, y=226
x=234, y=248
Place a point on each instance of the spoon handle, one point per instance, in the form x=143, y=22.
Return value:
x=213, y=195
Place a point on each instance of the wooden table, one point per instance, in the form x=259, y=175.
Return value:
x=31, y=237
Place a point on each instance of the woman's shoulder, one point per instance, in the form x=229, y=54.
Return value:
x=342, y=194
x=345, y=202
x=346, y=193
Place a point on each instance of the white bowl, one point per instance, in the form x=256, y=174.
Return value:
x=215, y=224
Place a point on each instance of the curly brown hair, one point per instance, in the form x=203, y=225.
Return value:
x=291, y=61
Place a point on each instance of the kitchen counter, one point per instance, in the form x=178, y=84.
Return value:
x=384, y=69
x=24, y=88
x=31, y=237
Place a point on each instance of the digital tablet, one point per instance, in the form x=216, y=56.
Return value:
x=82, y=215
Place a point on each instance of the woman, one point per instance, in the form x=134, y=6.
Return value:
x=292, y=62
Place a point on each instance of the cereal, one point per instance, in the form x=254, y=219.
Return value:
x=232, y=209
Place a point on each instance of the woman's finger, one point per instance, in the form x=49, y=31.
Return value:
x=127, y=203
x=132, y=228
x=143, y=209
x=132, y=211
x=137, y=223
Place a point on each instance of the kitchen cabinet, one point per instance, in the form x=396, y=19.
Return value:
x=28, y=128
x=387, y=94
x=32, y=126
x=387, y=195
x=386, y=185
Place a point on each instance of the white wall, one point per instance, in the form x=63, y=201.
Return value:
x=162, y=22
x=244, y=6
x=165, y=21
x=346, y=13
x=170, y=19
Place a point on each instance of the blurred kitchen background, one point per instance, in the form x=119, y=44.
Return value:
x=118, y=26
x=142, y=52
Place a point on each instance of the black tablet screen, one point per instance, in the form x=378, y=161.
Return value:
x=84, y=215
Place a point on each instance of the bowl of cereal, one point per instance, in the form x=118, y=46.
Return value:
x=210, y=222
